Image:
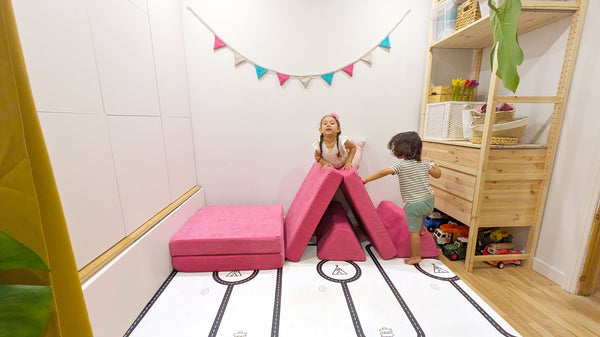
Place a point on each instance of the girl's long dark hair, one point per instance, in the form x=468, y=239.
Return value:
x=407, y=145
x=337, y=138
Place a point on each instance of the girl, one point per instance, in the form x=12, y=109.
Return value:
x=413, y=176
x=333, y=149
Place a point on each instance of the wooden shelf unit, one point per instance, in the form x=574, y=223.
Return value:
x=484, y=185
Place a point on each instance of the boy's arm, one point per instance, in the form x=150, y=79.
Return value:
x=381, y=173
x=435, y=171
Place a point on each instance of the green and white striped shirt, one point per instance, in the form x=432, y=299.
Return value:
x=413, y=177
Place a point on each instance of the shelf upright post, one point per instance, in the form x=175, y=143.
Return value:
x=482, y=163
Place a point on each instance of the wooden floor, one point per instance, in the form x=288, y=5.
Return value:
x=531, y=303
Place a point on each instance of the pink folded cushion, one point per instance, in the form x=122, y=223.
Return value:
x=199, y=263
x=395, y=221
x=227, y=230
x=335, y=237
x=356, y=194
x=308, y=207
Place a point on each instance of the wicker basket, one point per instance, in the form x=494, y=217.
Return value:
x=468, y=12
x=443, y=121
x=496, y=140
x=499, y=116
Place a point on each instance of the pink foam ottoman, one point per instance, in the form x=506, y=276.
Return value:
x=395, y=221
x=221, y=238
x=358, y=198
x=307, y=208
x=335, y=237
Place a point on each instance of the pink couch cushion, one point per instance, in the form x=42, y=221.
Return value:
x=395, y=221
x=308, y=207
x=228, y=230
x=356, y=194
x=336, y=239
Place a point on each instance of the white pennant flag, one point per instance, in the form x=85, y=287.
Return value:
x=368, y=59
x=305, y=80
x=238, y=59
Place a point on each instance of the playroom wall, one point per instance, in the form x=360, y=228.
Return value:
x=253, y=137
x=109, y=82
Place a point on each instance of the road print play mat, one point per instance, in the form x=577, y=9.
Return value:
x=320, y=298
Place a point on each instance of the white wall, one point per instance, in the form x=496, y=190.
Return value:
x=110, y=85
x=253, y=137
x=256, y=135
x=118, y=293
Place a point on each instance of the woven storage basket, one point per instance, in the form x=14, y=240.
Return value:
x=444, y=120
x=496, y=140
x=468, y=12
x=499, y=116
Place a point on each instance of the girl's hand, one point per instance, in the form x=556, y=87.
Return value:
x=364, y=180
x=324, y=166
x=348, y=165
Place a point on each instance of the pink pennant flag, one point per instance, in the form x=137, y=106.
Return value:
x=218, y=43
x=348, y=69
x=282, y=78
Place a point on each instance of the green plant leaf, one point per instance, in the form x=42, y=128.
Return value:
x=503, y=21
x=15, y=255
x=24, y=310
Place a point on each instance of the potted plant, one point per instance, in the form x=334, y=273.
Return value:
x=504, y=19
x=24, y=309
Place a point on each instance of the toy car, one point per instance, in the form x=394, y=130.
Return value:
x=502, y=249
x=433, y=221
x=457, y=250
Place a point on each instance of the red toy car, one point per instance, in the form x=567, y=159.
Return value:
x=502, y=249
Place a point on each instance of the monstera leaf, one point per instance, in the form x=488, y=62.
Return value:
x=24, y=309
x=503, y=21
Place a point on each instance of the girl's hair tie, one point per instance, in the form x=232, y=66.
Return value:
x=334, y=115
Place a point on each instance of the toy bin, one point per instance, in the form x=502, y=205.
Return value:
x=443, y=17
x=443, y=121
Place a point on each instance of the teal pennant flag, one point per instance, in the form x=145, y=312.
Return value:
x=260, y=71
x=328, y=78
x=385, y=43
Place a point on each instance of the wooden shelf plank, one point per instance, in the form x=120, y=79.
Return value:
x=467, y=143
x=534, y=15
x=501, y=257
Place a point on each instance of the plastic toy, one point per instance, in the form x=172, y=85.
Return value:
x=502, y=249
x=434, y=221
x=500, y=235
x=449, y=232
x=457, y=250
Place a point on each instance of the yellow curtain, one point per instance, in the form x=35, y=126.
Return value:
x=30, y=208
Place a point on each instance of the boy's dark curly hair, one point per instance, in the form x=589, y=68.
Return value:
x=407, y=145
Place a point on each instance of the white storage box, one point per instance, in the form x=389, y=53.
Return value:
x=444, y=121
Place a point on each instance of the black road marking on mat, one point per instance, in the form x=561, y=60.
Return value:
x=452, y=281
x=149, y=305
x=344, y=283
x=221, y=312
x=403, y=304
x=277, y=304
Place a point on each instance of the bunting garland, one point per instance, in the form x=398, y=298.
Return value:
x=239, y=59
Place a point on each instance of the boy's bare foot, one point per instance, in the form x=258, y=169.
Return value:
x=412, y=260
